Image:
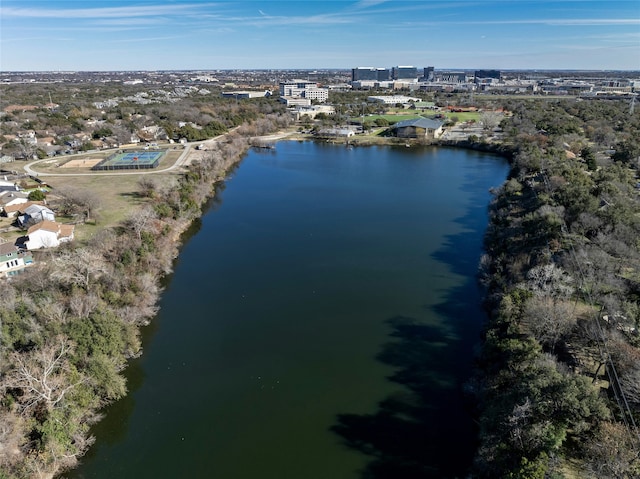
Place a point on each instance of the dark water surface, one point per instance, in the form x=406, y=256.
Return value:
x=318, y=325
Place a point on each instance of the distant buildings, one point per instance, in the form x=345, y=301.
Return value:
x=246, y=94
x=393, y=99
x=370, y=74
x=405, y=73
x=302, y=92
x=480, y=75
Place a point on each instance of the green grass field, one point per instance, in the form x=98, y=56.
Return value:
x=395, y=118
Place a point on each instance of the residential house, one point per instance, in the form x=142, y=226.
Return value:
x=48, y=234
x=16, y=206
x=35, y=214
x=28, y=136
x=6, y=185
x=13, y=260
x=418, y=128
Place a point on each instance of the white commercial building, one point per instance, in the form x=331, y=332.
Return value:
x=303, y=89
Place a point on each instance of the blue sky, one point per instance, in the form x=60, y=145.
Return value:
x=307, y=34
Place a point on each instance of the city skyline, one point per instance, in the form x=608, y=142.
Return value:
x=37, y=35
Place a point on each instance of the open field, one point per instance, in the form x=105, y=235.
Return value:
x=395, y=118
x=463, y=115
x=116, y=194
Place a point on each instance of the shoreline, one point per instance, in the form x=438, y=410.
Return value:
x=203, y=171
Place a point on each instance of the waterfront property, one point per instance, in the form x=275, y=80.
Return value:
x=418, y=128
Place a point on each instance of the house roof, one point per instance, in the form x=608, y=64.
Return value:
x=6, y=248
x=66, y=231
x=426, y=123
x=63, y=231
x=35, y=209
x=21, y=206
x=45, y=225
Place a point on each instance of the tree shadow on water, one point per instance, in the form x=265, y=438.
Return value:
x=417, y=432
x=427, y=430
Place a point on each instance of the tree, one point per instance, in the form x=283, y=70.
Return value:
x=76, y=201
x=36, y=195
x=78, y=266
x=43, y=375
x=549, y=319
x=589, y=157
x=627, y=151
x=147, y=186
x=490, y=120
x=611, y=453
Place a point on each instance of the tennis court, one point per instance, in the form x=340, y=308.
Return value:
x=131, y=160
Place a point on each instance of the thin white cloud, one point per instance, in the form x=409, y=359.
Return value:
x=144, y=39
x=104, y=12
x=581, y=22
x=273, y=20
x=369, y=3
x=140, y=22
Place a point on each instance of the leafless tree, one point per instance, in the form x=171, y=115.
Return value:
x=612, y=454
x=147, y=186
x=82, y=305
x=490, y=119
x=142, y=220
x=78, y=266
x=43, y=375
x=549, y=319
x=76, y=201
x=550, y=280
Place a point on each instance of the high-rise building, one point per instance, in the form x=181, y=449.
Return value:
x=428, y=74
x=370, y=74
x=405, y=73
x=483, y=74
x=364, y=73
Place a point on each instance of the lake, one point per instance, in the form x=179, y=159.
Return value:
x=320, y=323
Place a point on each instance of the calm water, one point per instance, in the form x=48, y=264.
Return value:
x=318, y=325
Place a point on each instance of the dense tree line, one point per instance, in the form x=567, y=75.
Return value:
x=559, y=380
x=69, y=325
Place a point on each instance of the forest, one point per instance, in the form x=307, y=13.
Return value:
x=558, y=383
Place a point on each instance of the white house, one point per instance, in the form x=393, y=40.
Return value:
x=48, y=234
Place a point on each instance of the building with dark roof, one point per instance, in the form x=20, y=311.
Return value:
x=418, y=128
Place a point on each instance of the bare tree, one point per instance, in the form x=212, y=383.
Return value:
x=142, y=220
x=549, y=319
x=612, y=453
x=490, y=119
x=78, y=266
x=76, y=201
x=550, y=280
x=43, y=375
x=147, y=186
